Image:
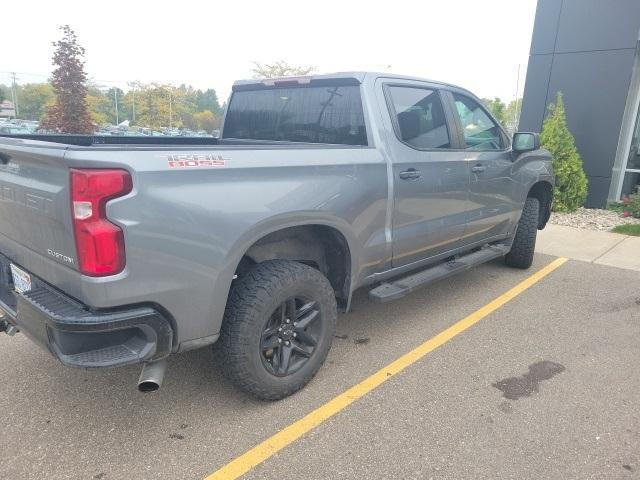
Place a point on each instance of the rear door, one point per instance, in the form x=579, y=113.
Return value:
x=430, y=185
x=494, y=193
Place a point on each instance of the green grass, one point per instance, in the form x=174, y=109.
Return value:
x=627, y=230
x=616, y=207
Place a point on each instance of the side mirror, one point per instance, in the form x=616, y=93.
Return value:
x=525, y=142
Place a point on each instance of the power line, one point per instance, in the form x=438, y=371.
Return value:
x=99, y=80
x=40, y=75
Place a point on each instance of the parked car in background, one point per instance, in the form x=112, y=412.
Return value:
x=14, y=130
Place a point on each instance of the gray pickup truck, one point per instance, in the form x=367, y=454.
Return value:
x=116, y=251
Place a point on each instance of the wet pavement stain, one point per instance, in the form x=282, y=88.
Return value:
x=516, y=387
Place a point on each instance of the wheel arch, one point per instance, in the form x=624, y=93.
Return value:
x=543, y=191
x=322, y=245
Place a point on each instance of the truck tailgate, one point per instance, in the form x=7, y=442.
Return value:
x=35, y=207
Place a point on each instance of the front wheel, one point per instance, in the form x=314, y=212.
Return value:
x=524, y=243
x=277, y=330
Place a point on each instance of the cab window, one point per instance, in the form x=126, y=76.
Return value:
x=420, y=117
x=480, y=131
x=331, y=114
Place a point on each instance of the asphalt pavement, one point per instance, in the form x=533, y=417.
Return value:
x=546, y=386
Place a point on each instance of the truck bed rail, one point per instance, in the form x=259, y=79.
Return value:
x=89, y=140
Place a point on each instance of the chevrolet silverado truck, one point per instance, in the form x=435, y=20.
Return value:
x=122, y=250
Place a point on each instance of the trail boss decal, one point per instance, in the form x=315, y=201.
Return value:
x=196, y=160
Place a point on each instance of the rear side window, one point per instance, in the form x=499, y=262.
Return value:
x=315, y=114
x=480, y=131
x=420, y=116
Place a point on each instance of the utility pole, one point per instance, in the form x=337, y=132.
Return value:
x=115, y=96
x=515, y=113
x=133, y=100
x=14, y=95
x=170, y=110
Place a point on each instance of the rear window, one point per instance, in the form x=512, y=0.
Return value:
x=315, y=114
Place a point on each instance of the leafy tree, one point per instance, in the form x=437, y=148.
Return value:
x=152, y=106
x=69, y=113
x=512, y=115
x=35, y=98
x=497, y=108
x=208, y=100
x=116, y=94
x=100, y=106
x=3, y=95
x=183, y=104
x=280, y=68
x=571, y=181
x=130, y=101
x=205, y=120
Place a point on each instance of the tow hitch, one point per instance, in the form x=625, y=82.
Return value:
x=7, y=327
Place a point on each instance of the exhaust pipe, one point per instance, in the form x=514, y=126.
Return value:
x=151, y=376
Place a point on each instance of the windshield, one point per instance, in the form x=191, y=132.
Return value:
x=315, y=114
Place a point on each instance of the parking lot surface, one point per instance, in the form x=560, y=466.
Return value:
x=547, y=386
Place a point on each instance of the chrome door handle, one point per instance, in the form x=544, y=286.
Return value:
x=478, y=168
x=411, y=174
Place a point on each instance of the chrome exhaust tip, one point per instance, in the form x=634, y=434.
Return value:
x=151, y=376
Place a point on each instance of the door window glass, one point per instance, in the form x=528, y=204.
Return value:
x=480, y=131
x=420, y=116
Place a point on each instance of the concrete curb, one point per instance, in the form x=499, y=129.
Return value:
x=604, y=248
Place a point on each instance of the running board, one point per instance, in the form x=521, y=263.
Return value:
x=388, y=291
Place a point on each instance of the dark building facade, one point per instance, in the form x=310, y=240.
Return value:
x=589, y=51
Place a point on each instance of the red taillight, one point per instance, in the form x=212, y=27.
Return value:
x=99, y=243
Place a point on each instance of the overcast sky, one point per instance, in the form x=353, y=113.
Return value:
x=475, y=44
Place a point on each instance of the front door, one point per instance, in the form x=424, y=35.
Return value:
x=430, y=185
x=494, y=194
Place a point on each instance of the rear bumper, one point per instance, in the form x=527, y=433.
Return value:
x=80, y=336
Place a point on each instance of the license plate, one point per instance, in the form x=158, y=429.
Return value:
x=21, y=279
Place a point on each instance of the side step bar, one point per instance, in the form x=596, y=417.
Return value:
x=388, y=291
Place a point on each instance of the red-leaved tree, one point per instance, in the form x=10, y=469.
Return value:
x=69, y=113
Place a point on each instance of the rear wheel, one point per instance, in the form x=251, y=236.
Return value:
x=278, y=327
x=524, y=243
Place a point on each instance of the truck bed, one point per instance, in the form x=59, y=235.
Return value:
x=189, y=218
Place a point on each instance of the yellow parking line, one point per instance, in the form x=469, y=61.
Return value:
x=261, y=452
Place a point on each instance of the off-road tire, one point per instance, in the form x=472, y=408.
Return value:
x=252, y=300
x=524, y=243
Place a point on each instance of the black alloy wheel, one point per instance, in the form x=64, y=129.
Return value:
x=290, y=336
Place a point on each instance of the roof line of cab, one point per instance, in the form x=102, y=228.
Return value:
x=359, y=77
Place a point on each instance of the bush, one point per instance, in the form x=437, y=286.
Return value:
x=571, y=181
x=631, y=206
